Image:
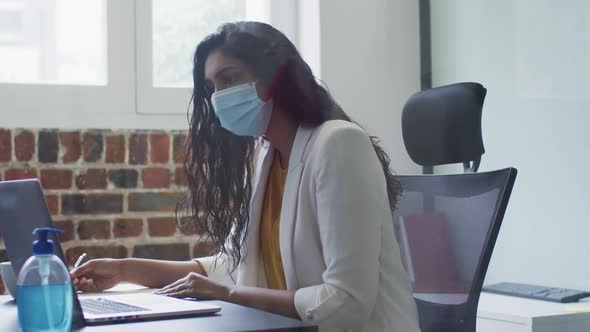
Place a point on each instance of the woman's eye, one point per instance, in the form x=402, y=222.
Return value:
x=228, y=80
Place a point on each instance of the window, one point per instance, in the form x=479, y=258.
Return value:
x=168, y=32
x=87, y=63
x=177, y=26
x=75, y=63
x=38, y=43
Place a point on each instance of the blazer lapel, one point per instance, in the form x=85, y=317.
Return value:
x=248, y=269
x=289, y=205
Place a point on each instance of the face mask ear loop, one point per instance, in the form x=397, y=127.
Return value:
x=265, y=94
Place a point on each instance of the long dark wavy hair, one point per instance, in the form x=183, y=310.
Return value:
x=218, y=164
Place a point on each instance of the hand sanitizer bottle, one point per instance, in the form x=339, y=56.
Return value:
x=44, y=289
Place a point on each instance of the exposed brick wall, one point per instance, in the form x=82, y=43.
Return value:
x=112, y=192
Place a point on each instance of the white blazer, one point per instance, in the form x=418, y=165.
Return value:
x=336, y=235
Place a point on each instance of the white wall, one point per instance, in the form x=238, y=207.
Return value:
x=370, y=60
x=533, y=57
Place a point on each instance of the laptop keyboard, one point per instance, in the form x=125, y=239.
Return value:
x=102, y=306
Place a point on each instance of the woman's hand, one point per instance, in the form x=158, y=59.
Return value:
x=97, y=275
x=196, y=286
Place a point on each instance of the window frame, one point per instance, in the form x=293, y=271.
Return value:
x=128, y=99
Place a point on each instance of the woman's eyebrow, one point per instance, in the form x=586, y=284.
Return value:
x=223, y=70
x=219, y=73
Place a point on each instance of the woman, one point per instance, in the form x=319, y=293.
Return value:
x=296, y=197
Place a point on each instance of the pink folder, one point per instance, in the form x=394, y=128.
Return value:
x=428, y=253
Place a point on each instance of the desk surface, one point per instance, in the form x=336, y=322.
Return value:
x=511, y=307
x=507, y=313
x=232, y=317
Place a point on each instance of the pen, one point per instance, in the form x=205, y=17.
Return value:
x=79, y=260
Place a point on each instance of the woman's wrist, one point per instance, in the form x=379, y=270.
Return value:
x=122, y=268
x=225, y=293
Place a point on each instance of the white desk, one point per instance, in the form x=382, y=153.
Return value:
x=499, y=313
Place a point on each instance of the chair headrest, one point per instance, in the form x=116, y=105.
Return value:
x=443, y=125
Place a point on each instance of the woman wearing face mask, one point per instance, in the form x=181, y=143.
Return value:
x=295, y=196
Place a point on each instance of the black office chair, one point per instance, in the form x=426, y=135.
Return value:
x=447, y=225
x=443, y=125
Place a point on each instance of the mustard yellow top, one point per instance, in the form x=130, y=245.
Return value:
x=269, y=226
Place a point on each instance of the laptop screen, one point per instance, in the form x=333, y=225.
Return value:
x=22, y=209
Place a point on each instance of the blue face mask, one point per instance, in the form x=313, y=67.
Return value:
x=241, y=111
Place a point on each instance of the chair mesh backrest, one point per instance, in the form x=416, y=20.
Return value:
x=446, y=226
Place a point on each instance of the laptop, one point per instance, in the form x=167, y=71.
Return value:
x=23, y=208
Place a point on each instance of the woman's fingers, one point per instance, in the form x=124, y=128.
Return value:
x=180, y=294
x=183, y=289
x=82, y=270
x=88, y=286
x=193, y=286
x=179, y=285
x=168, y=289
x=82, y=284
x=91, y=286
x=171, y=286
